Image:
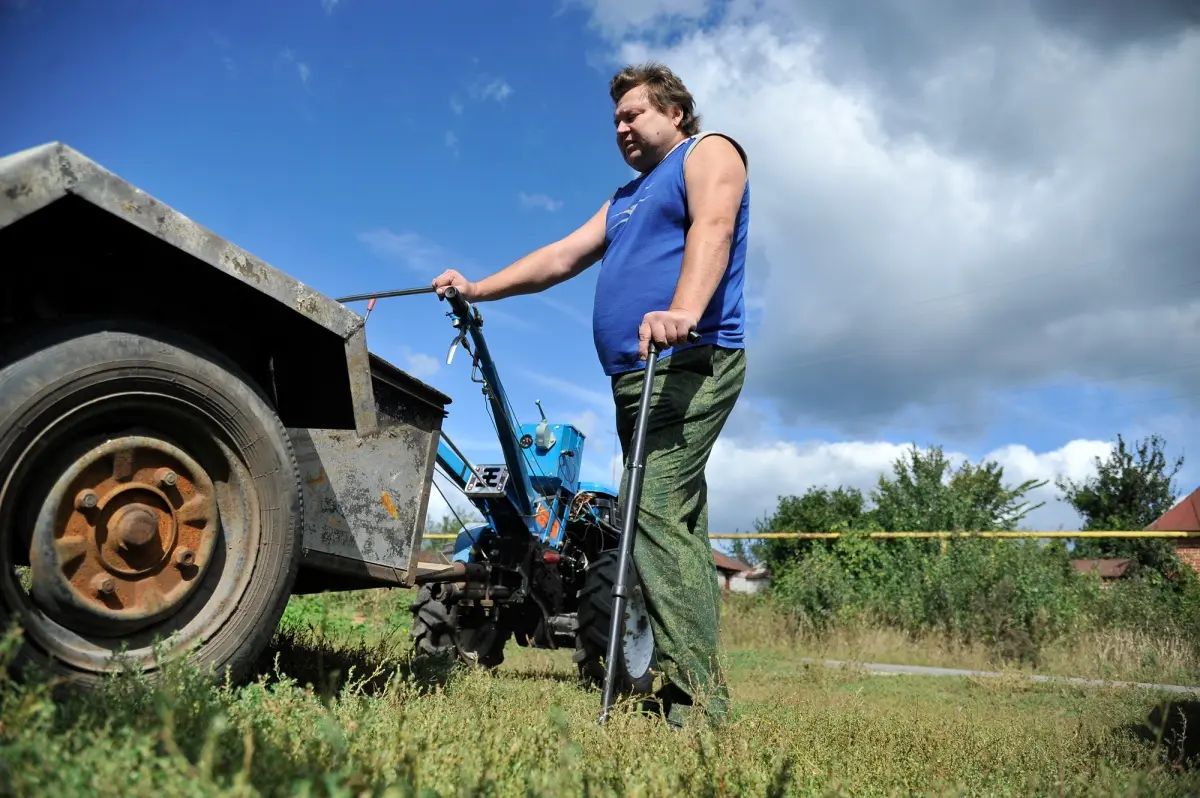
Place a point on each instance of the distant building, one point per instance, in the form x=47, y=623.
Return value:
x=1109, y=570
x=735, y=576
x=1183, y=517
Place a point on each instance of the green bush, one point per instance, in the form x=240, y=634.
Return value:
x=1013, y=596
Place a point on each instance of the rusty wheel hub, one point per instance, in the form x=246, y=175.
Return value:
x=129, y=536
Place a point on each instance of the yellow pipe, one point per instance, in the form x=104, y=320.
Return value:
x=831, y=535
x=1005, y=534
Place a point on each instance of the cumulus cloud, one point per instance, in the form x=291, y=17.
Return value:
x=411, y=249
x=952, y=199
x=419, y=364
x=745, y=481
x=616, y=18
x=497, y=89
x=542, y=201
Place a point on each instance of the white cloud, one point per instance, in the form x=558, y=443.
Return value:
x=419, y=364
x=619, y=17
x=745, y=481
x=938, y=215
x=496, y=89
x=411, y=249
x=596, y=398
x=586, y=421
x=542, y=201
x=584, y=319
x=446, y=500
x=302, y=68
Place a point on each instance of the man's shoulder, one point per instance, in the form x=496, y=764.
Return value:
x=715, y=146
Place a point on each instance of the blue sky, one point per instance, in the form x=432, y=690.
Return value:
x=912, y=277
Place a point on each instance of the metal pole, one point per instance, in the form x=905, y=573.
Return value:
x=637, y=471
x=633, y=497
x=386, y=294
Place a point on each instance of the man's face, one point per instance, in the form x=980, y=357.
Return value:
x=644, y=134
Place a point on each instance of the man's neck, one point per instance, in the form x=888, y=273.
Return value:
x=682, y=138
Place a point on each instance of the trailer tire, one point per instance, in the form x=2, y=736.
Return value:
x=437, y=632
x=638, y=660
x=155, y=495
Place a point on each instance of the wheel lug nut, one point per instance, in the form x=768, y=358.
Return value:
x=103, y=584
x=86, y=500
x=184, y=557
x=166, y=477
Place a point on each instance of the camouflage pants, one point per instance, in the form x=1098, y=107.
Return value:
x=694, y=392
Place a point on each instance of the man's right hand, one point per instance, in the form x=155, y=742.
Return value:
x=466, y=289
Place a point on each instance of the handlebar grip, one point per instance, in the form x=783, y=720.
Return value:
x=459, y=305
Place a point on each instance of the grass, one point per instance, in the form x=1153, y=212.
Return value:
x=1117, y=654
x=335, y=709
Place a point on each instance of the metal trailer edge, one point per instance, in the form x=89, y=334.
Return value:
x=79, y=243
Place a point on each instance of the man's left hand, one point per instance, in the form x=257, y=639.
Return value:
x=666, y=327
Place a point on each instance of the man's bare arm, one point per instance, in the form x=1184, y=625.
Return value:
x=540, y=269
x=716, y=180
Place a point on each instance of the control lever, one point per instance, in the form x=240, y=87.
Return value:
x=461, y=338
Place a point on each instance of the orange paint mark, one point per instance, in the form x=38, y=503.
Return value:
x=543, y=516
x=391, y=508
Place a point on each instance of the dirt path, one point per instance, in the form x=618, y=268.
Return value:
x=884, y=669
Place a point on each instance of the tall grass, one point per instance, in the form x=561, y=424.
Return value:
x=1012, y=603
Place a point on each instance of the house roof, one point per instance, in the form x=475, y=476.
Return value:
x=1107, y=568
x=1183, y=517
x=726, y=563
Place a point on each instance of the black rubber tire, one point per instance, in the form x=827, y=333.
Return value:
x=435, y=633
x=202, y=402
x=594, y=619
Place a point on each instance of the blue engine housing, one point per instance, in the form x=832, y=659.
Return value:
x=554, y=474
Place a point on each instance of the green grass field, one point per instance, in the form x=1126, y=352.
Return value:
x=336, y=711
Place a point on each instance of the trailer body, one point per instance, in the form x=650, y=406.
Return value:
x=82, y=246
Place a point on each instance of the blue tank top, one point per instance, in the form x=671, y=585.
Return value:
x=647, y=229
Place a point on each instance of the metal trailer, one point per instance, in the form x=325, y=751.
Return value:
x=188, y=435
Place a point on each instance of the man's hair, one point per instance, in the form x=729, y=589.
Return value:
x=663, y=87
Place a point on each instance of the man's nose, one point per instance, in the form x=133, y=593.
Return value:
x=622, y=128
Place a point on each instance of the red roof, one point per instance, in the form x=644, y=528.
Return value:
x=1108, y=568
x=726, y=563
x=1183, y=517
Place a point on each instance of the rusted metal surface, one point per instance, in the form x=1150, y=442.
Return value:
x=125, y=535
x=362, y=393
x=36, y=177
x=365, y=496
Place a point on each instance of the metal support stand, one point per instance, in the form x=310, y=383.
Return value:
x=637, y=472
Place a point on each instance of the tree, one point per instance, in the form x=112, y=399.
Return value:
x=742, y=553
x=818, y=510
x=1131, y=488
x=920, y=496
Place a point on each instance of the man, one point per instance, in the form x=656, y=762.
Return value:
x=672, y=247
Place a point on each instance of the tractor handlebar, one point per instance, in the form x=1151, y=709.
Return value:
x=460, y=306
